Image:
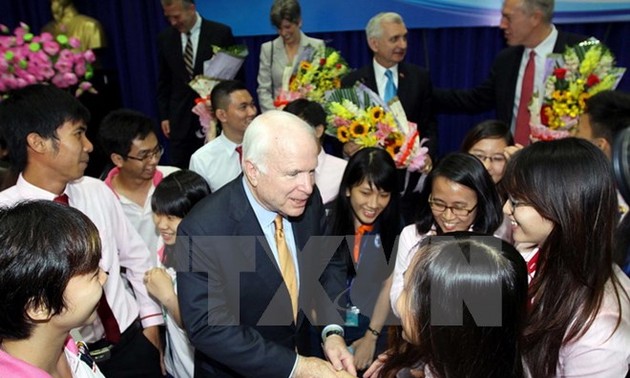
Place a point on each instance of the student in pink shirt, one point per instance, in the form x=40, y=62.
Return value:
x=51, y=283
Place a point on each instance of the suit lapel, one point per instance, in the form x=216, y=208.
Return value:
x=203, y=49
x=404, y=89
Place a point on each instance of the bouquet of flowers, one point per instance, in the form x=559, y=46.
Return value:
x=359, y=115
x=570, y=78
x=223, y=65
x=319, y=70
x=27, y=59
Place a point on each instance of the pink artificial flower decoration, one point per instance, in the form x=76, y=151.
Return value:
x=74, y=42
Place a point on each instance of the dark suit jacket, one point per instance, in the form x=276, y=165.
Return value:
x=224, y=310
x=175, y=97
x=415, y=94
x=497, y=92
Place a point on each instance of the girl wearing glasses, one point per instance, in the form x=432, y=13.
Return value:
x=460, y=196
x=487, y=142
x=563, y=210
x=491, y=142
x=366, y=211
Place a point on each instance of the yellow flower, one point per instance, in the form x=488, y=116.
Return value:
x=305, y=65
x=358, y=129
x=342, y=134
x=376, y=114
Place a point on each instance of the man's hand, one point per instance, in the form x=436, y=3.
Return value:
x=337, y=353
x=312, y=367
x=350, y=148
x=166, y=128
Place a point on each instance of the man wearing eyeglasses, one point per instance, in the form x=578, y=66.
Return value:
x=45, y=127
x=128, y=139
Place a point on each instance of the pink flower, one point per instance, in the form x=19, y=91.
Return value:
x=74, y=43
x=63, y=65
x=79, y=68
x=89, y=56
x=51, y=47
x=26, y=59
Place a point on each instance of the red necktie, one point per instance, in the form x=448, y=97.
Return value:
x=521, y=132
x=239, y=150
x=112, y=332
x=357, y=240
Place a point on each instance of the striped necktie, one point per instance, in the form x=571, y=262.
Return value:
x=188, y=55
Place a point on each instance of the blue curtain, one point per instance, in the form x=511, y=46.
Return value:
x=456, y=57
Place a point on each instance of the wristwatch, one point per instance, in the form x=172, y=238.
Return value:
x=332, y=329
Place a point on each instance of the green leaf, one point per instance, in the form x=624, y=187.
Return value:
x=34, y=46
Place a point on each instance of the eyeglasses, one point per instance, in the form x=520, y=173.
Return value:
x=146, y=156
x=494, y=159
x=456, y=210
x=515, y=203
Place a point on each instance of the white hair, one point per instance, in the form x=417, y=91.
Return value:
x=374, y=28
x=273, y=128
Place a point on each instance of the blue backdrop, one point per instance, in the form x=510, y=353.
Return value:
x=456, y=56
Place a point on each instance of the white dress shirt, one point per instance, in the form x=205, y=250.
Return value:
x=217, y=161
x=381, y=79
x=328, y=175
x=543, y=50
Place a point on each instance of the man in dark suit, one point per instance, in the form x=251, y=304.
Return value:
x=175, y=97
x=387, y=37
x=242, y=312
x=527, y=27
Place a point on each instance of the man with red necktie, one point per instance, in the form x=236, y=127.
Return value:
x=45, y=130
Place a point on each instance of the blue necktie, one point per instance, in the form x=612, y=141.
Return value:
x=390, y=87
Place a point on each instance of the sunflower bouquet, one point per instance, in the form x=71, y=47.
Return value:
x=359, y=115
x=570, y=79
x=319, y=70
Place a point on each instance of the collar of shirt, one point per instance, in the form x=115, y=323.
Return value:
x=194, y=36
x=381, y=80
x=36, y=192
x=321, y=158
x=157, y=178
x=230, y=147
x=265, y=219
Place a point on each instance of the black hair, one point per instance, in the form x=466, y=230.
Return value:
x=120, y=127
x=220, y=95
x=462, y=263
x=178, y=192
x=609, y=113
x=377, y=167
x=42, y=246
x=37, y=108
x=569, y=182
x=489, y=129
x=468, y=171
x=310, y=111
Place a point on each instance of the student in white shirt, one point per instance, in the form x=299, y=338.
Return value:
x=219, y=161
x=172, y=200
